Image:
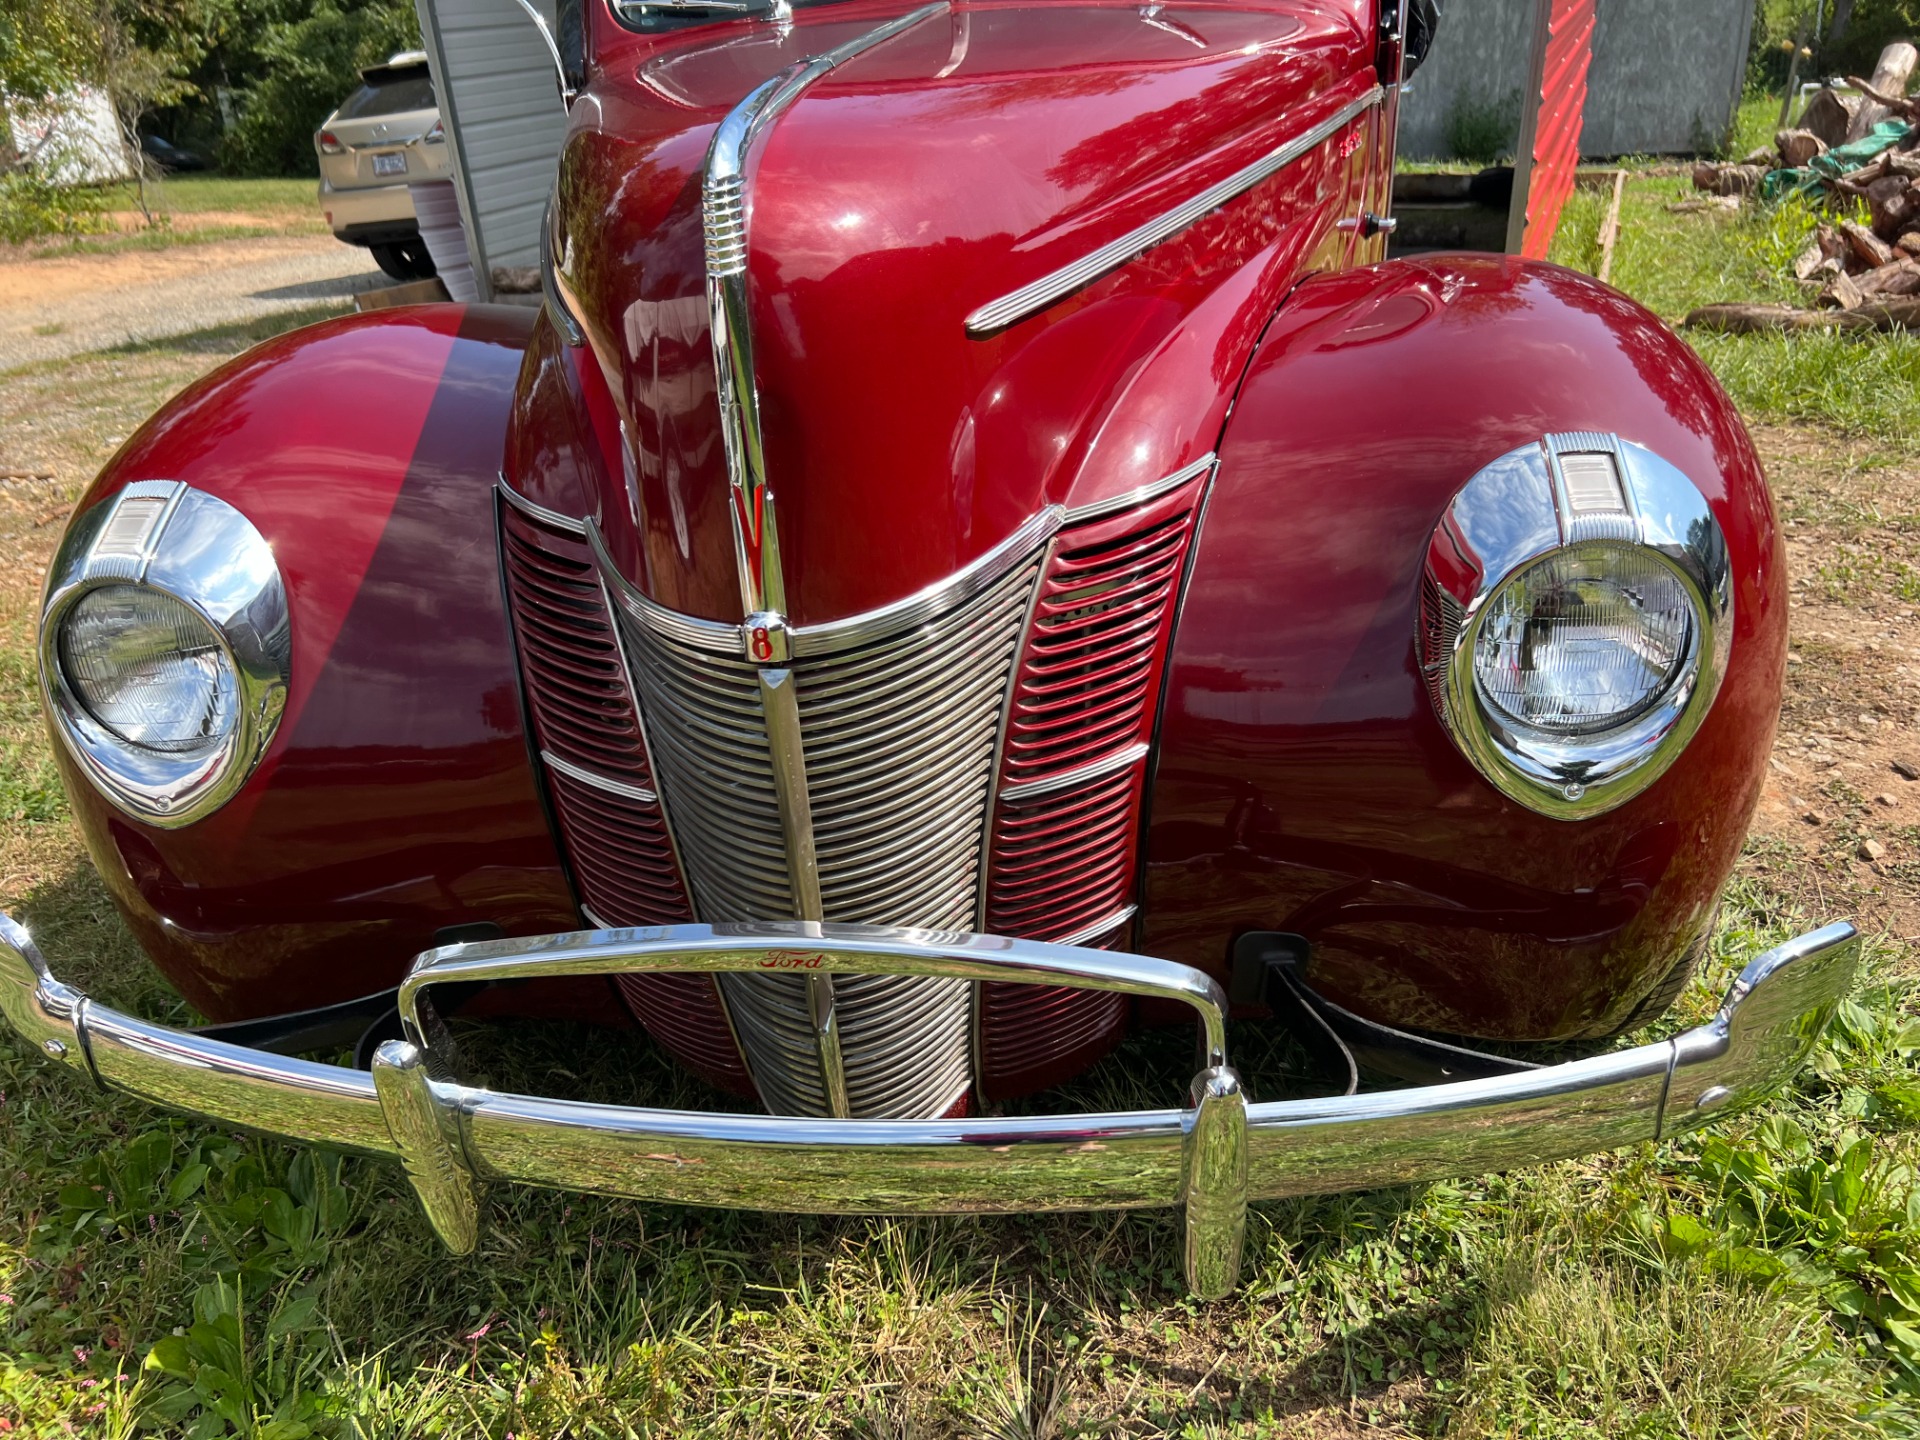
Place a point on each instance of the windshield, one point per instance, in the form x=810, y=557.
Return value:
x=650, y=17
x=390, y=97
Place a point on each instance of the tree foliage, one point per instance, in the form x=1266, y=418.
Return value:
x=246, y=80
x=297, y=67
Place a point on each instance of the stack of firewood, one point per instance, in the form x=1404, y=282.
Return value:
x=1848, y=266
x=1830, y=121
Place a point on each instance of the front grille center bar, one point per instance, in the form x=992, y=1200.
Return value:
x=723, y=214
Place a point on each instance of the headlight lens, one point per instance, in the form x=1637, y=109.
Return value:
x=148, y=668
x=1584, y=640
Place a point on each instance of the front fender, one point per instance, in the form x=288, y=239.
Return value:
x=397, y=797
x=1304, y=781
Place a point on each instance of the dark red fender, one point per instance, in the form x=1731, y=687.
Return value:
x=1304, y=782
x=397, y=797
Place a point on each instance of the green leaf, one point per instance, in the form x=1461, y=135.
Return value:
x=292, y=1317
x=146, y=1160
x=1685, y=1236
x=186, y=1184
x=83, y=1198
x=170, y=1354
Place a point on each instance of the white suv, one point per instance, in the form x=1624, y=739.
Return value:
x=386, y=134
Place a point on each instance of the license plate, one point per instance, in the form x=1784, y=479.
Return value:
x=395, y=164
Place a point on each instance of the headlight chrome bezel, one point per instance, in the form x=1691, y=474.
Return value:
x=1566, y=492
x=167, y=536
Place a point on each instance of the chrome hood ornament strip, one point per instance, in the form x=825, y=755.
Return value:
x=763, y=595
x=724, y=214
x=1032, y=298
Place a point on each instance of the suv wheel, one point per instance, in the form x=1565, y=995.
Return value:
x=404, y=259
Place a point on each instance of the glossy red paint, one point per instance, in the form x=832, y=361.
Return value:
x=970, y=155
x=1304, y=783
x=397, y=797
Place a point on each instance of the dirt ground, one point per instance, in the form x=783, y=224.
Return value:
x=52, y=307
x=1839, y=822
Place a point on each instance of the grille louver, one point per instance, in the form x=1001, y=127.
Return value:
x=1066, y=827
x=585, y=725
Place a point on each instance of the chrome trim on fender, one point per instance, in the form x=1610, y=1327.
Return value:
x=1133, y=499
x=1212, y=1157
x=597, y=781
x=533, y=510
x=1032, y=298
x=550, y=294
x=172, y=538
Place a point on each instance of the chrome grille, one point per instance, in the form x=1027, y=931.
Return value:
x=901, y=730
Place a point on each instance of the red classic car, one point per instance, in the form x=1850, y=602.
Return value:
x=979, y=549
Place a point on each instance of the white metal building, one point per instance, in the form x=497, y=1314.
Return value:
x=500, y=101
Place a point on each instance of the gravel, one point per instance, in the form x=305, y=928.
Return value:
x=59, y=306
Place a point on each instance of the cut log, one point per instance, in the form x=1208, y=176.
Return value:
x=1797, y=147
x=1827, y=116
x=1903, y=162
x=1720, y=204
x=1808, y=261
x=1909, y=243
x=1867, y=247
x=1902, y=277
x=1897, y=105
x=1829, y=241
x=1892, y=201
x=1902, y=313
x=1842, y=293
x=1889, y=83
x=1761, y=319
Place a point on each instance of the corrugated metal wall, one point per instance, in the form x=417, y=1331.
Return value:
x=1666, y=75
x=501, y=104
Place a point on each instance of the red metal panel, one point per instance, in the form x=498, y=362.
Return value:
x=1562, y=102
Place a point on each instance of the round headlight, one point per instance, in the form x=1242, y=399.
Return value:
x=1575, y=620
x=164, y=649
x=1585, y=640
x=149, y=668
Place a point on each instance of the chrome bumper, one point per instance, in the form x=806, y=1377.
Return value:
x=1212, y=1155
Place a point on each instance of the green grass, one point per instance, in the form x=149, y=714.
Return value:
x=194, y=210
x=196, y=194
x=160, y=1275
x=1672, y=263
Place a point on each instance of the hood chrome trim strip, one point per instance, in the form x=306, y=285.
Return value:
x=1030, y=299
x=533, y=510
x=724, y=208
x=1135, y=498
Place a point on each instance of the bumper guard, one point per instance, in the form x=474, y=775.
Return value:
x=1210, y=1156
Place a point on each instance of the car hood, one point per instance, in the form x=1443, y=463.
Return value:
x=977, y=151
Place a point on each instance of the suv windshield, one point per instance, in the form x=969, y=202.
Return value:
x=390, y=96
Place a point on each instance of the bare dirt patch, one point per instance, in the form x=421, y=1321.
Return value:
x=42, y=280
x=1839, y=822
